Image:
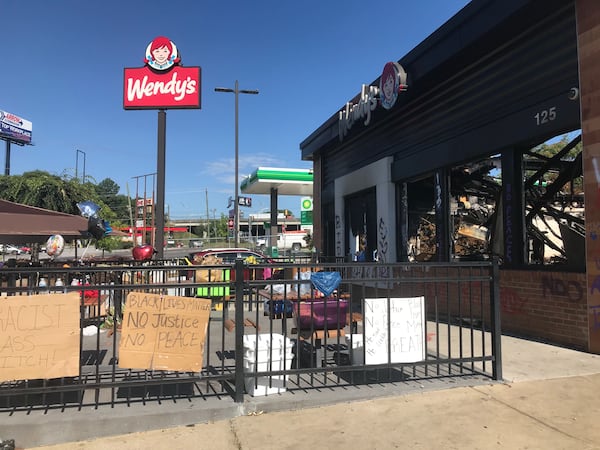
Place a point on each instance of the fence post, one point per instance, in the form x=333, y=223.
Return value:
x=495, y=319
x=239, y=330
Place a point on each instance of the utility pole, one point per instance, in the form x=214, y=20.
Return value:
x=130, y=214
x=236, y=206
x=207, y=216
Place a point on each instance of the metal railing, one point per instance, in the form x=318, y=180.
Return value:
x=269, y=329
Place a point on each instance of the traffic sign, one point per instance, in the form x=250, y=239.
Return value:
x=244, y=201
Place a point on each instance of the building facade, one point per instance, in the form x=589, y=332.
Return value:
x=482, y=141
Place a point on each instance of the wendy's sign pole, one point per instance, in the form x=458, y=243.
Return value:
x=160, y=183
x=163, y=83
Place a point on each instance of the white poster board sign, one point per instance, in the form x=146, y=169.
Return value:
x=402, y=331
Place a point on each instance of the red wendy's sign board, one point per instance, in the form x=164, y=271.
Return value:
x=147, y=89
x=162, y=83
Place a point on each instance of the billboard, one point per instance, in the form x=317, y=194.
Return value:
x=14, y=128
x=162, y=83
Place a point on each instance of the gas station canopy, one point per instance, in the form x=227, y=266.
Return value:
x=285, y=181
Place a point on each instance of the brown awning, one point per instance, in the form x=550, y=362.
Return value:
x=25, y=224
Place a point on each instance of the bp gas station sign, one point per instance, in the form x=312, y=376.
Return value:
x=306, y=211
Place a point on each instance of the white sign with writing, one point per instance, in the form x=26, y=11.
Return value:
x=394, y=329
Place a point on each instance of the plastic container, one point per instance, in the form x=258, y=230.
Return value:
x=279, y=307
x=43, y=286
x=213, y=291
x=59, y=284
x=262, y=353
x=321, y=313
x=355, y=348
x=305, y=355
x=219, y=286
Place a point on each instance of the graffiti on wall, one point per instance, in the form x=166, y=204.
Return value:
x=382, y=244
x=591, y=249
x=595, y=285
x=595, y=311
x=554, y=286
x=508, y=218
x=592, y=198
x=338, y=236
x=593, y=231
x=438, y=195
x=372, y=272
x=510, y=301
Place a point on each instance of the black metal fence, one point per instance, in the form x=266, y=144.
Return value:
x=270, y=330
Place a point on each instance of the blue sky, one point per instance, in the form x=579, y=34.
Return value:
x=63, y=71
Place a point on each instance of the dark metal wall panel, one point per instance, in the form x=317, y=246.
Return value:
x=501, y=102
x=483, y=99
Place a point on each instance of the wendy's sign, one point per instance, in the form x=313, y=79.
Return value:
x=162, y=83
x=146, y=89
x=391, y=83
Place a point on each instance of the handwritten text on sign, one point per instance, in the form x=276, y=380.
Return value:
x=39, y=336
x=163, y=332
x=402, y=331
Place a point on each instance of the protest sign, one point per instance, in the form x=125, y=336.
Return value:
x=162, y=332
x=39, y=336
x=398, y=335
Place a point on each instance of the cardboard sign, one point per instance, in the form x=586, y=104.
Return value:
x=399, y=336
x=39, y=336
x=163, y=332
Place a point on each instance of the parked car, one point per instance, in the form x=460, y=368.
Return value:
x=229, y=255
x=195, y=243
x=10, y=249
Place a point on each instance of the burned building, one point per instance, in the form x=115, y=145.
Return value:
x=481, y=142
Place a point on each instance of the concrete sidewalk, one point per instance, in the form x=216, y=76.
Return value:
x=547, y=401
x=549, y=414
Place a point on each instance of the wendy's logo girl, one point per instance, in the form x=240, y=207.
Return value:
x=392, y=82
x=161, y=54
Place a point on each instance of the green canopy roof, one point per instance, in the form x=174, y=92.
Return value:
x=286, y=181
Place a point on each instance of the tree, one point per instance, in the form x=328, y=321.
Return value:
x=120, y=205
x=107, y=188
x=108, y=243
x=547, y=151
x=44, y=190
x=220, y=226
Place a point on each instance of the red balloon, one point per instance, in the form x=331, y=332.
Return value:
x=143, y=252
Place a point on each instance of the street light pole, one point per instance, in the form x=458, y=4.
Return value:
x=77, y=152
x=236, y=206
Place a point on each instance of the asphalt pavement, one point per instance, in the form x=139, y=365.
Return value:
x=546, y=401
